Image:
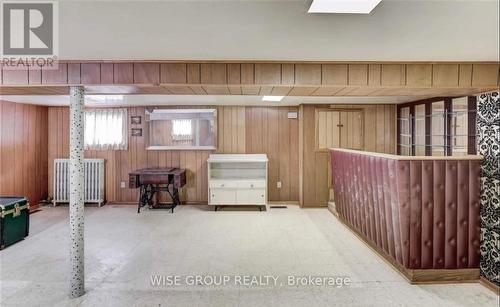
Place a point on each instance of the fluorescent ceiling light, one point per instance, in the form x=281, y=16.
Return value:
x=106, y=98
x=343, y=6
x=272, y=98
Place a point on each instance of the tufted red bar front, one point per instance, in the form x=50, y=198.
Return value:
x=420, y=213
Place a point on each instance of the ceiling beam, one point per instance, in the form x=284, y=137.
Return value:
x=285, y=78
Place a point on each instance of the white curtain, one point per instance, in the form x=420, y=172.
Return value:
x=106, y=129
x=182, y=129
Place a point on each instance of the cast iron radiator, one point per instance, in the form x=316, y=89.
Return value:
x=422, y=212
x=94, y=181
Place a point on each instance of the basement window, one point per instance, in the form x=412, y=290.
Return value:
x=182, y=130
x=106, y=129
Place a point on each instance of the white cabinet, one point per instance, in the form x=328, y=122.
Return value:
x=222, y=196
x=249, y=196
x=235, y=179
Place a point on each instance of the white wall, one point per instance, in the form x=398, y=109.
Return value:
x=278, y=30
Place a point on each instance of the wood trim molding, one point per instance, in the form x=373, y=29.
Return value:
x=448, y=109
x=488, y=284
x=396, y=157
x=471, y=125
x=412, y=129
x=398, y=130
x=428, y=129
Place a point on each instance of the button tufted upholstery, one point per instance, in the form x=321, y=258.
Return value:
x=422, y=213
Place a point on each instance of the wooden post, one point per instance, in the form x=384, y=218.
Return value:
x=428, y=129
x=448, y=107
x=471, y=125
x=412, y=130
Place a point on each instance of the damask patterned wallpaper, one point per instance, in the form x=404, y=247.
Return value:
x=488, y=131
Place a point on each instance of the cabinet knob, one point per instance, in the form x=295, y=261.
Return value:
x=222, y=185
x=251, y=185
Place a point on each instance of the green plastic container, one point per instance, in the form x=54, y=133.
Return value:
x=14, y=220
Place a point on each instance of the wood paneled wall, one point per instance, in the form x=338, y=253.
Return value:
x=32, y=136
x=239, y=129
x=23, y=151
x=379, y=136
x=231, y=130
x=270, y=131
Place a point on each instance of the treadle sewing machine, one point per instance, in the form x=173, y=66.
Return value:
x=154, y=180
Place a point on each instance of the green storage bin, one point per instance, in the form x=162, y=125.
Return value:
x=14, y=220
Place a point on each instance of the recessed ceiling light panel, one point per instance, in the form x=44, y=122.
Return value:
x=343, y=6
x=105, y=98
x=272, y=98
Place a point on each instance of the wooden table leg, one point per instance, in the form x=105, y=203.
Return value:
x=175, y=198
x=141, y=195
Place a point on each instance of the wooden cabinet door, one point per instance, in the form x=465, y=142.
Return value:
x=328, y=128
x=352, y=130
x=339, y=129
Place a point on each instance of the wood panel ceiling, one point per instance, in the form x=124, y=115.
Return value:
x=282, y=79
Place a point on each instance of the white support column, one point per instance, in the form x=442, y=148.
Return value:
x=76, y=187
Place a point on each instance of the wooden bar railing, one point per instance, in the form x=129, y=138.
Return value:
x=420, y=213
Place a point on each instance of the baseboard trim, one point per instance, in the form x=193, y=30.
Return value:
x=333, y=209
x=271, y=202
x=420, y=276
x=488, y=284
x=283, y=202
x=443, y=276
x=313, y=206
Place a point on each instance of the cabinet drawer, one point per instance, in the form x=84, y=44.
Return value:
x=259, y=184
x=251, y=196
x=222, y=197
x=223, y=184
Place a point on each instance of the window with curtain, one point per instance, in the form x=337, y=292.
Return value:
x=106, y=129
x=182, y=129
